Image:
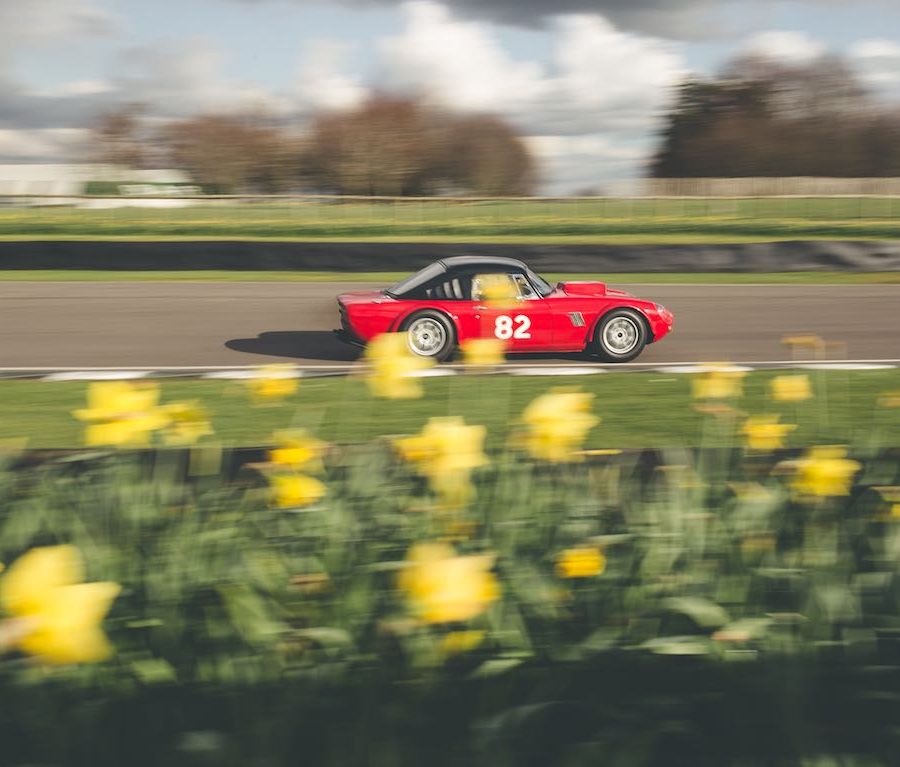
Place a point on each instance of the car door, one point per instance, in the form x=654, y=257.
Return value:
x=525, y=324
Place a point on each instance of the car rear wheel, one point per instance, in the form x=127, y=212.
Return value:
x=621, y=336
x=430, y=334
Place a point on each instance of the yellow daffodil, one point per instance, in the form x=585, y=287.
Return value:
x=718, y=382
x=557, y=424
x=483, y=352
x=273, y=382
x=392, y=367
x=446, y=451
x=445, y=445
x=764, y=433
x=790, y=388
x=889, y=399
x=825, y=472
x=121, y=414
x=496, y=291
x=443, y=587
x=60, y=615
x=891, y=496
x=188, y=422
x=297, y=450
x=459, y=642
x=580, y=562
x=294, y=490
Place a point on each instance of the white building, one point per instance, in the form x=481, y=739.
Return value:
x=65, y=184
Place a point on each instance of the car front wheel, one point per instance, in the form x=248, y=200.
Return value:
x=621, y=336
x=430, y=334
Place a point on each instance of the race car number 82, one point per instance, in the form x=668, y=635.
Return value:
x=512, y=327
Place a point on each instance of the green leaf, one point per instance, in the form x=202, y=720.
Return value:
x=688, y=645
x=495, y=667
x=705, y=613
x=327, y=637
x=153, y=671
x=249, y=614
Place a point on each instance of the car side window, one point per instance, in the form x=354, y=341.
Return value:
x=514, y=285
x=458, y=288
x=526, y=292
x=496, y=284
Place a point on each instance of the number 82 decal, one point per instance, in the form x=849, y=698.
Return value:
x=506, y=327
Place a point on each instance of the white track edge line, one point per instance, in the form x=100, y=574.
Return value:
x=312, y=368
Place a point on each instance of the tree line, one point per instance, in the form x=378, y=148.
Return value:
x=761, y=117
x=386, y=146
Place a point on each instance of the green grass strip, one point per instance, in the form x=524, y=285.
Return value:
x=638, y=409
x=523, y=221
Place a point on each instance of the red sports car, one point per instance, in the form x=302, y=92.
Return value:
x=443, y=304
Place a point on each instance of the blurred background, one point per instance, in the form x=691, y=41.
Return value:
x=422, y=98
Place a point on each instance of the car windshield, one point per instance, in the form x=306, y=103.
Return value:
x=543, y=287
x=414, y=280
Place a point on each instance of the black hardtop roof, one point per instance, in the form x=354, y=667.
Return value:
x=455, y=262
x=444, y=266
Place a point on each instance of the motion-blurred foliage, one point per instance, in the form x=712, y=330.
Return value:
x=669, y=606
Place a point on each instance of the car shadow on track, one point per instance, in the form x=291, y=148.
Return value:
x=297, y=344
x=324, y=346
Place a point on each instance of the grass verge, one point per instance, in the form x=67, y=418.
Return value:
x=384, y=278
x=638, y=409
x=601, y=220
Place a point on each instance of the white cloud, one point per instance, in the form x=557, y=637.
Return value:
x=321, y=83
x=595, y=163
x=52, y=21
x=875, y=49
x=458, y=63
x=878, y=64
x=183, y=78
x=77, y=88
x=609, y=78
x=603, y=67
x=603, y=86
x=784, y=45
x=42, y=145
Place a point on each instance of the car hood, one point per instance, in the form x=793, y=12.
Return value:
x=591, y=289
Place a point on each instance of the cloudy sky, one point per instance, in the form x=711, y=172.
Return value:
x=584, y=80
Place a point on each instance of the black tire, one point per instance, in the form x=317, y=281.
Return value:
x=430, y=334
x=620, y=336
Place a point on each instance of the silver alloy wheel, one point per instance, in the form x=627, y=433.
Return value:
x=426, y=336
x=621, y=335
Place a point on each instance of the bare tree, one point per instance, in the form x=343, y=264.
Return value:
x=381, y=148
x=228, y=154
x=397, y=146
x=490, y=158
x=118, y=138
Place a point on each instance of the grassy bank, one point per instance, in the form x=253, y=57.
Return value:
x=612, y=221
x=638, y=409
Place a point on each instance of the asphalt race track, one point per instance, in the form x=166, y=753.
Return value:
x=162, y=324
